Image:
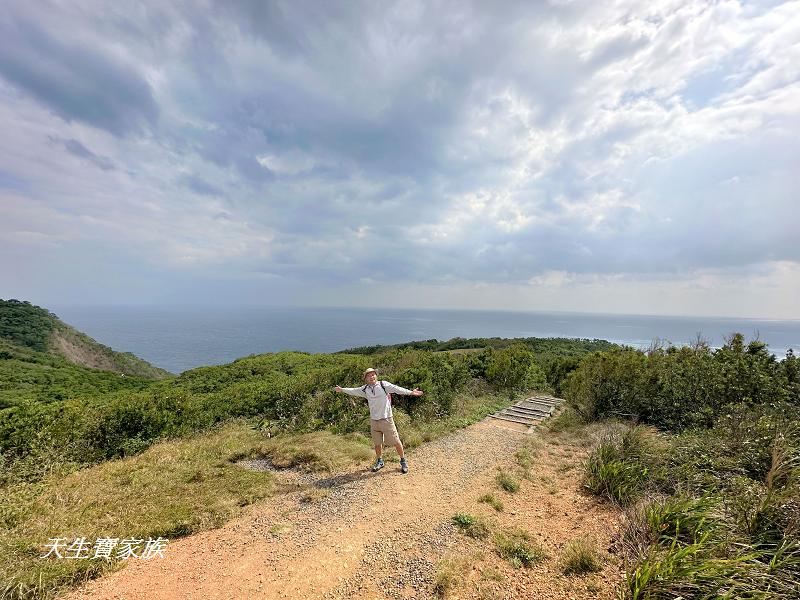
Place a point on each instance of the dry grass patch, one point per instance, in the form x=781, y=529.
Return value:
x=471, y=525
x=506, y=481
x=492, y=501
x=450, y=574
x=515, y=546
x=172, y=489
x=317, y=451
x=580, y=557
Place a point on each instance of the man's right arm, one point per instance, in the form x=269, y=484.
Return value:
x=357, y=391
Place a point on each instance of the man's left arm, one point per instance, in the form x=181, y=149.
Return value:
x=396, y=389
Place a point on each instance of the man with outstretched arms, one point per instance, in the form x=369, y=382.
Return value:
x=378, y=395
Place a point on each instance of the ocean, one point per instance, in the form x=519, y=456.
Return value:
x=181, y=338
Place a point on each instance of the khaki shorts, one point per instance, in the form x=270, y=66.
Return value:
x=384, y=432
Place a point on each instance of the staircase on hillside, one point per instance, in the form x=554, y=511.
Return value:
x=529, y=412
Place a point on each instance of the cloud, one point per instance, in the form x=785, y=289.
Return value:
x=200, y=186
x=75, y=80
x=416, y=142
x=75, y=148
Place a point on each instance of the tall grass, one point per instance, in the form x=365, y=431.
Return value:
x=620, y=466
x=710, y=531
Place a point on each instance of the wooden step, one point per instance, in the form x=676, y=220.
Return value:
x=530, y=411
x=521, y=412
x=544, y=400
x=534, y=407
x=516, y=420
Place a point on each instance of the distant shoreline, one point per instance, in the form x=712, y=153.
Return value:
x=182, y=338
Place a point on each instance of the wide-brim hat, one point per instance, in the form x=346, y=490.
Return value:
x=368, y=371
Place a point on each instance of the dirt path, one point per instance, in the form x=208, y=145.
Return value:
x=382, y=535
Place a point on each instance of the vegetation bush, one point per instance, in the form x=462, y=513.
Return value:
x=471, y=525
x=25, y=324
x=621, y=466
x=723, y=518
x=681, y=388
x=580, y=557
x=506, y=481
x=515, y=546
x=492, y=501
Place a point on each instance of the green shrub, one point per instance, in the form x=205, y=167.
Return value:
x=492, y=501
x=514, y=368
x=679, y=388
x=619, y=467
x=507, y=481
x=580, y=557
x=515, y=546
x=683, y=571
x=471, y=525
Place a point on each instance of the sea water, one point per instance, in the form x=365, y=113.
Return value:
x=179, y=338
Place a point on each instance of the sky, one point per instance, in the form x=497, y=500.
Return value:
x=623, y=157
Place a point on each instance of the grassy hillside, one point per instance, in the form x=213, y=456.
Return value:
x=707, y=466
x=99, y=440
x=288, y=391
x=28, y=326
x=40, y=377
x=90, y=458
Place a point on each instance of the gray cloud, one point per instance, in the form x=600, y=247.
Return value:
x=200, y=186
x=421, y=142
x=76, y=81
x=75, y=148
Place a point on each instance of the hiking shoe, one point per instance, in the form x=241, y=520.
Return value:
x=378, y=465
x=403, y=465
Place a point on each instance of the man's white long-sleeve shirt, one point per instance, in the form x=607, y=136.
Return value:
x=379, y=405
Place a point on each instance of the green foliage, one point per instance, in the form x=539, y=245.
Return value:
x=683, y=519
x=25, y=324
x=608, y=384
x=556, y=346
x=684, y=571
x=679, y=388
x=580, y=557
x=506, y=481
x=492, y=501
x=441, y=376
x=515, y=546
x=471, y=525
x=620, y=467
x=554, y=357
x=29, y=376
x=513, y=368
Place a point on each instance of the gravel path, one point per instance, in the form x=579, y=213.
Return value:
x=372, y=536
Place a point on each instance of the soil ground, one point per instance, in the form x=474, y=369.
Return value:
x=362, y=535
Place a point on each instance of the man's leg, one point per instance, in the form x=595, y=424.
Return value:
x=399, y=447
x=378, y=450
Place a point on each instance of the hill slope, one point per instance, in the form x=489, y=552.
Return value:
x=29, y=326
